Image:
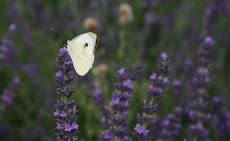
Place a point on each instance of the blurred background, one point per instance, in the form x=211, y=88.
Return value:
x=129, y=31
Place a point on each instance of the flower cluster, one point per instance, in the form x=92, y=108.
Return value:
x=118, y=107
x=149, y=19
x=177, y=87
x=65, y=108
x=216, y=8
x=148, y=3
x=135, y=70
x=221, y=117
x=9, y=94
x=99, y=99
x=7, y=46
x=154, y=93
x=171, y=125
x=198, y=112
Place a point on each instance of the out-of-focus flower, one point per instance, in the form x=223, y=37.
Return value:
x=198, y=107
x=101, y=69
x=171, y=125
x=125, y=14
x=7, y=45
x=94, y=4
x=148, y=3
x=214, y=10
x=148, y=19
x=178, y=92
x=221, y=116
x=154, y=93
x=6, y=133
x=99, y=99
x=90, y=24
x=9, y=94
x=135, y=70
x=65, y=108
x=16, y=15
x=177, y=86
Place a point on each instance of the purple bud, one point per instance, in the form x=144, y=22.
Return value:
x=121, y=71
x=12, y=27
x=164, y=56
x=153, y=76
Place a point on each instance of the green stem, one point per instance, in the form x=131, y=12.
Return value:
x=120, y=52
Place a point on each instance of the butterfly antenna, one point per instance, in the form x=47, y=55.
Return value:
x=73, y=33
x=58, y=33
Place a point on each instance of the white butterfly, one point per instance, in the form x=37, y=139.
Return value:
x=81, y=50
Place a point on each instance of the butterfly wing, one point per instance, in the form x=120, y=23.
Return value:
x=82, y=57
x=88, y=39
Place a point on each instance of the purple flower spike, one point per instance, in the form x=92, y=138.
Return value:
x=154, y=93
x=198, y=113
x=221, y=117
x=65, y=108
x=7, y=46
x=214, y=10
x=9, y=94
x=116, y=120
x=171, y=125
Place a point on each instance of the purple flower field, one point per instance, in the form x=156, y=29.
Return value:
x=161, y=71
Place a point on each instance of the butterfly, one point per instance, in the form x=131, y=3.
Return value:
x=81, y=50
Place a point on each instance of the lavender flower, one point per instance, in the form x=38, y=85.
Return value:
x=118, y=108
x=198, y=112
x=9, y=94
x=154, y=93
x=215, y=9
x=6, y=45
x=171, y=125
x=119, y=112
x=15, y=14
x=65, y=108
x=99, y=99
x=149, y=3
x=178, y=91
x=177, y=87
x=221, y=117
x=148, y=19
x=135, y=71
x=94, y=5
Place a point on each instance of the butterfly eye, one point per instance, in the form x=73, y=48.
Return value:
x=86, y=44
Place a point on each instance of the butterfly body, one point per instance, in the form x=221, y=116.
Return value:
x=81, y=50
